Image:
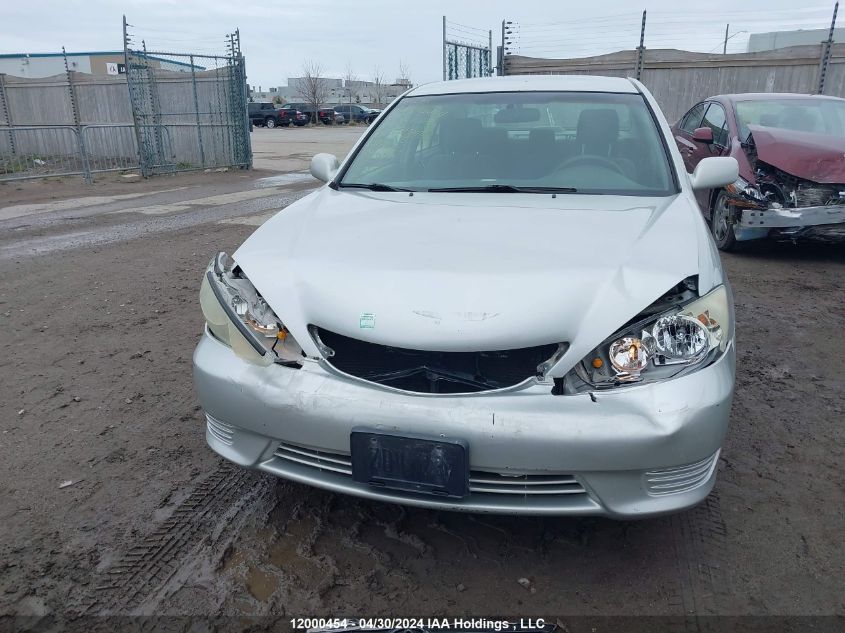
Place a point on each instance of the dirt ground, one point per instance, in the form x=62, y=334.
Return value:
x=111, y=503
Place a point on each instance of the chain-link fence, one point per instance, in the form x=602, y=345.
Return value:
x=189, y=109
x=685, y=57
x=467, y=51
x=163, y=112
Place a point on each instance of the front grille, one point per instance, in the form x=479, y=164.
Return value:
x=498, y=484
x=422, y=371
x=334, y=462
x=480, y=482
x=667, y=481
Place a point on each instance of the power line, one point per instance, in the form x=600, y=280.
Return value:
x=472, y=28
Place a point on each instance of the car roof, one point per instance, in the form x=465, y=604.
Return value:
x=769, y=96
x=528, y=83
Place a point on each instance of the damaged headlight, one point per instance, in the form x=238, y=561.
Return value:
x=744, y=193
x=661, y=346
x=238, y=316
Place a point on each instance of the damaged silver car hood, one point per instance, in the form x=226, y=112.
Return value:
x=471, y=272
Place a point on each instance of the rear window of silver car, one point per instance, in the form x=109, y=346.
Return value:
x=594, y=143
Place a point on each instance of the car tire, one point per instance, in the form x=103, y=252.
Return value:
x=270, y=122
x=721, y=223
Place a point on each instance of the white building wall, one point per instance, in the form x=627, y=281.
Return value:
x=782, y=39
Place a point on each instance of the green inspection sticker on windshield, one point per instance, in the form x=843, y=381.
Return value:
x=367, y=321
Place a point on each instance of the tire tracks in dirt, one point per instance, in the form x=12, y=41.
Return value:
x=208, y=514
x=700, y=541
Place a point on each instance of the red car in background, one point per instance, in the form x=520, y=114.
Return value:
x=791, y=154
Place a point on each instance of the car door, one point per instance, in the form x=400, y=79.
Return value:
x=706, y=114
x=683, y=134
x=716, y=119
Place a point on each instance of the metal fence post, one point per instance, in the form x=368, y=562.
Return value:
x=489, y=52
x=444, y=48
x=77, y=124
x=503, y=70
x=197, y=108
x=826, y=48
x=7, y=113
x=247, y=137
x=641, y=49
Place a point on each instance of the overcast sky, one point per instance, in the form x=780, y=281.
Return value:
x=277, y=36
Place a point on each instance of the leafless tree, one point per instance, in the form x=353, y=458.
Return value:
x=349, y=77
x=379, y=86
x=313, y=88
x=404, y=74
x=349, y=74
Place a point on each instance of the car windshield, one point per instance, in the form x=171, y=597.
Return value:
x=817, y=116
x=584, y=142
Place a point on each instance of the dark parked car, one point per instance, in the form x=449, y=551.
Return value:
x=358, y=113
x=330, y=115
x=791, y=154
x=306, y=110
x=270, y=116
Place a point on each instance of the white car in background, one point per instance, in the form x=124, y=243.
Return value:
x=504, y=300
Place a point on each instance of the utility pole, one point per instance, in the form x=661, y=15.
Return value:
x=828, y=45
x=725, y=47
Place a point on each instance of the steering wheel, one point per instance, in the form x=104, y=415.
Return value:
x=591, y=159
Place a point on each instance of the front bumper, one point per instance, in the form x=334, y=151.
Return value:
x=824, y=223
x=640, y=451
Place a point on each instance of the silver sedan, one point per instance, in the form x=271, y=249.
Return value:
x=503, y=300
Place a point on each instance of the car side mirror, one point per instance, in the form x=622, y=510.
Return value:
x=715, y=172
x=703, y=135
x=324, y=166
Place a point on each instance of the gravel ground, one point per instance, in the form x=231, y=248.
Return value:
x=113, y=504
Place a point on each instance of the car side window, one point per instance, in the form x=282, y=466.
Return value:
x=715, y=119
x=692, y=119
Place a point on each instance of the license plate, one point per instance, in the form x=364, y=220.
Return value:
x=411, y=464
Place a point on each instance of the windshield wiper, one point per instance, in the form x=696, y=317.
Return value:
x=373, y=186
x=505, y=189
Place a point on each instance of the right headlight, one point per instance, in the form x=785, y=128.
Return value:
x=238, y=316
x=744, y=194
x=661, y=346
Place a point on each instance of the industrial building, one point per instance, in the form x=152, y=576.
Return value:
x=35, y=65
x=338, y=91
x=782, y=39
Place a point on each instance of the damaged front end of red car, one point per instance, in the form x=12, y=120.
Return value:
x=797, y=190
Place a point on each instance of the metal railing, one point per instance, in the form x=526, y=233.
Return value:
x=110, y=147
x=40, y=151
x=44, y=151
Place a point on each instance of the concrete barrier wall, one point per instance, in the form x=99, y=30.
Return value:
x=679, y=79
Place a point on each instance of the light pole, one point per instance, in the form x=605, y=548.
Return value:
x=725, y=46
